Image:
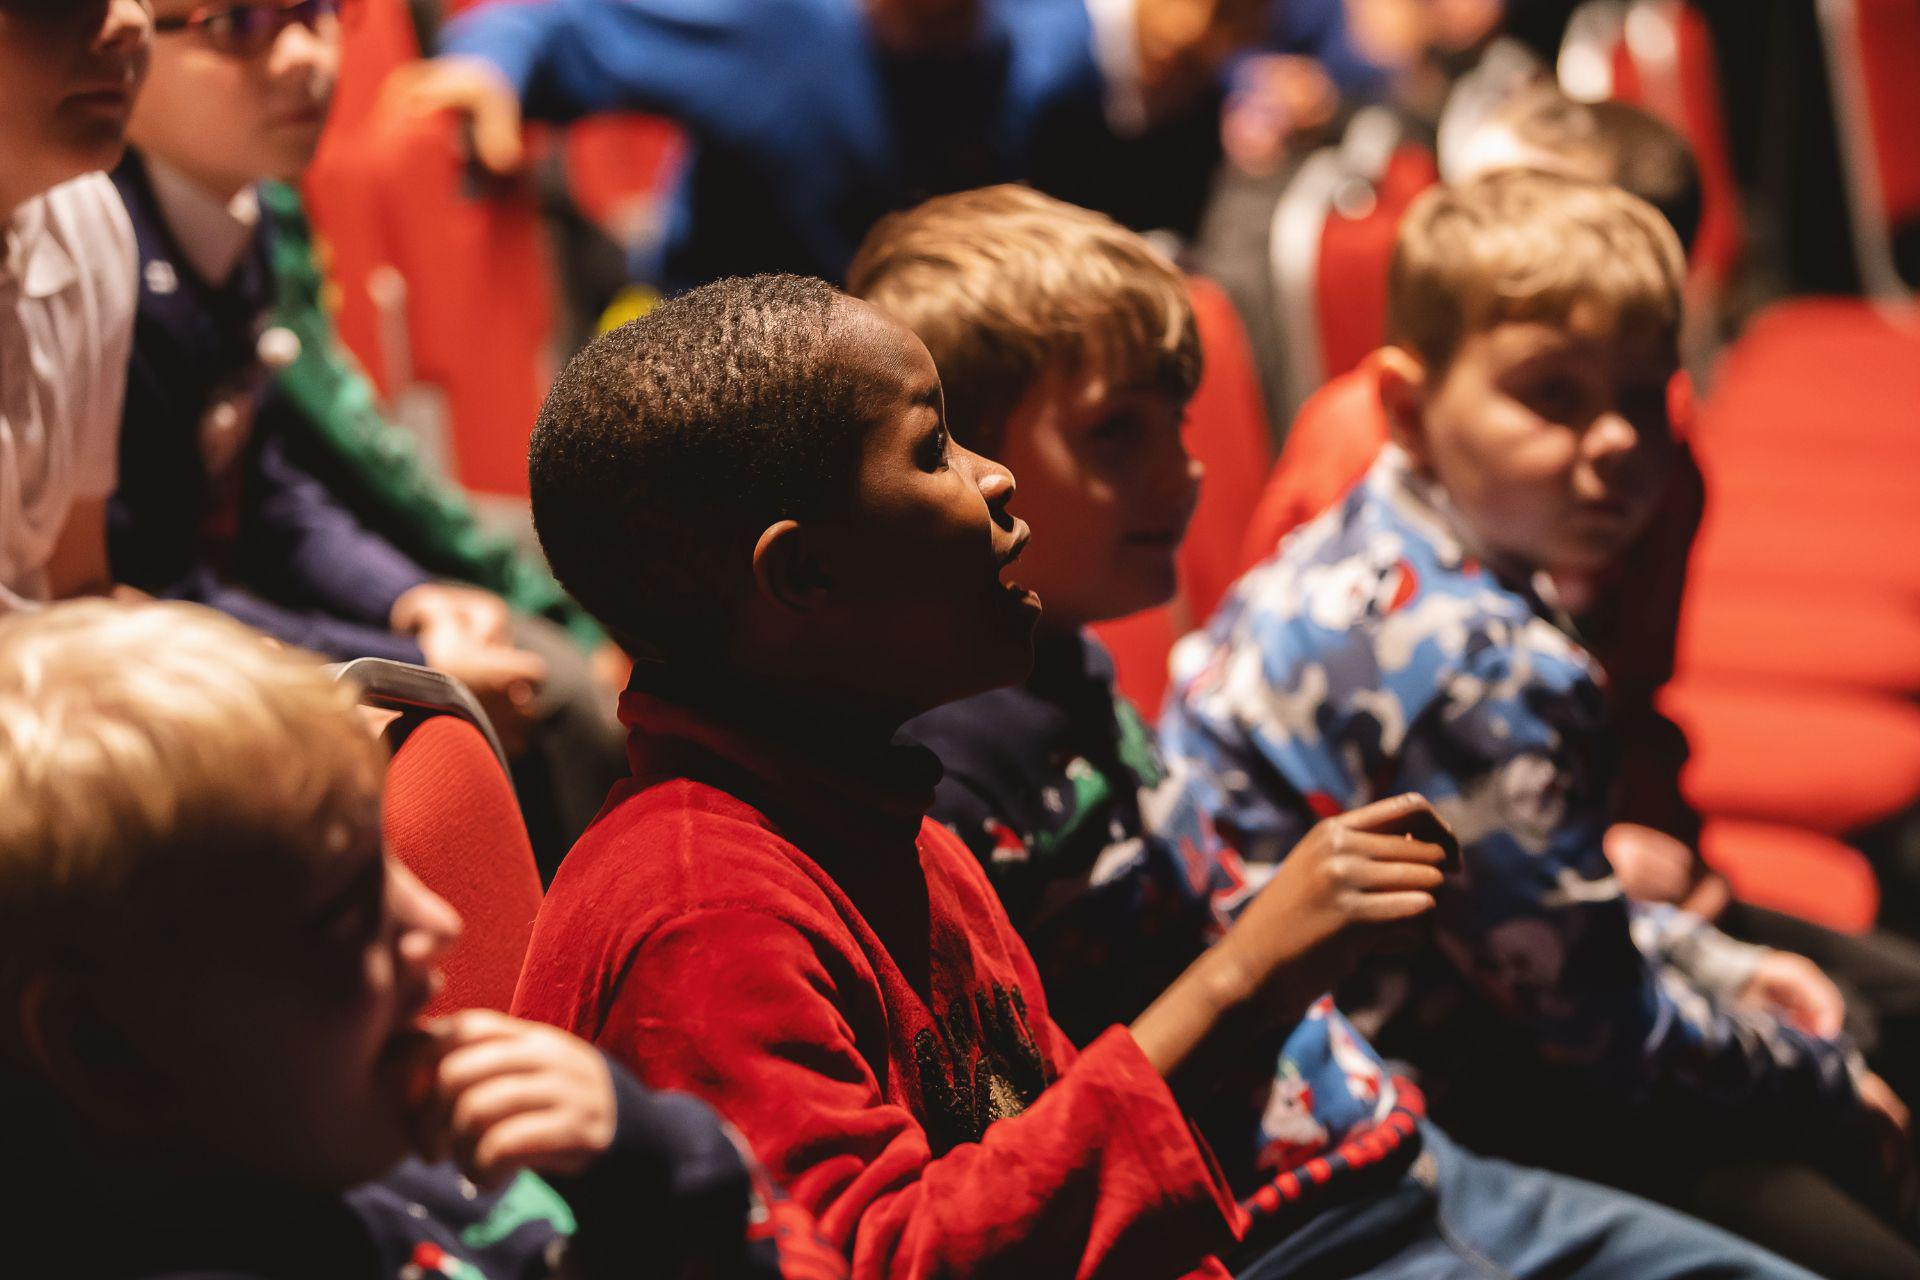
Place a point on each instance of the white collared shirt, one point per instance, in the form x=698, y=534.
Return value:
x=212, y=233
x=67, y=299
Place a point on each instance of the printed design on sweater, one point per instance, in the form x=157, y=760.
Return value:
x=978, y=1063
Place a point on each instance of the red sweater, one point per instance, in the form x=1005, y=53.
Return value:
x=865, y=1014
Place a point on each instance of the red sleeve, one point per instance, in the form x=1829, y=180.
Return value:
x=1102, y=1175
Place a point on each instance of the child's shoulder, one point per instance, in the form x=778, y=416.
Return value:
x=1377, y=595
x=679, y=846
x=87, y=220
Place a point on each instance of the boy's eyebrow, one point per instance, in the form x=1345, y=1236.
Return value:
x=930, y=396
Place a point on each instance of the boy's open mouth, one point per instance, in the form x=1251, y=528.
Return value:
x=1024, y=596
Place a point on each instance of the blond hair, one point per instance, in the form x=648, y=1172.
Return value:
x=1006, y=286
x=1521, y=245
x=144, y=750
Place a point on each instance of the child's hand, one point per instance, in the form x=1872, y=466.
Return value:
x=1892, y=1122
x=1343, y=889
x=1794, y=989
x=498, y=1095
x=1651, y=865
x=473, y=89
x=1338, y=894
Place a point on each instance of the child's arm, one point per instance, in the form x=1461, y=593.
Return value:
x=656, y=1183
x=1339, y=893
x=563, y=59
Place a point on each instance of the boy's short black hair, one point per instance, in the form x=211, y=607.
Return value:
x=667, y=445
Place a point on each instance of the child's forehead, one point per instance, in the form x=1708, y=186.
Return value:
x=1587, y=328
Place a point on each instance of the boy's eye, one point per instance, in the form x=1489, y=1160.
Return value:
x=1119, y=430
x=933, y=450
x=354, y=916
x=1559, y=398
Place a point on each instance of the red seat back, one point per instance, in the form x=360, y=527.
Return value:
x=1335, y=438
x=1331, y=244
x=1873, y=53
x=450, y=816
x=1356, y=244
x=1229, y=432
x=1661, y=60
x=436, y=287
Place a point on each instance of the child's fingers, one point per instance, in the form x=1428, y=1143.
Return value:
x=547, y=1141
x=1375, y=816
x=469, y=1026
x=1402, y=815
x=1383, y=908
x=1383, y=848
x=492, y=1101
x=1384, y=876
x=468, y=1065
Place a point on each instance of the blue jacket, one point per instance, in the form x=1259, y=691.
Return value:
x=1376, y=653
x=1117, y=881
x=806, y=131
x=263, y=540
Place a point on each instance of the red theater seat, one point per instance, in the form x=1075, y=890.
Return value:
x=1873, y=48
x=1830, y=760
x=1801, y=873
x=1810, y=636
x=1335, y=438
x=1331, y=241
x=1228, y=431
x=443, y=295
x=450, y=816
x=1658, y=55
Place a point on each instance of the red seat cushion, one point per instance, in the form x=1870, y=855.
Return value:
x=1335, y=438
x=450, y=816
x=1810, y=636
x=1801, y=873
x=1829, y=760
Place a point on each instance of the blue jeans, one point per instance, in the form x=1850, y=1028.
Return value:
x=1458, y=1216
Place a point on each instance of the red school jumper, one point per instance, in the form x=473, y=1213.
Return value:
x=864, y=1013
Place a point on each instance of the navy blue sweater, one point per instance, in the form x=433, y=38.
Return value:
x=265, y=540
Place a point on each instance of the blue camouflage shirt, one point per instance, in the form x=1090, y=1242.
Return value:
x=1376, y=653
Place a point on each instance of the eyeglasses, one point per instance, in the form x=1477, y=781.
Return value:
x=244, y=30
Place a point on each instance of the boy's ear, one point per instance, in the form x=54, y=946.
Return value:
x=787, y=568
x=1403, y=395
x=71, y=1040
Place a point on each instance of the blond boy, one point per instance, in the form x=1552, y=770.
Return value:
x=212, y=1057
x=1412, y=638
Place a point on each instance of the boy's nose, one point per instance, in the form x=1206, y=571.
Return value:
x=996, y=482
x=300, y=47
x=127, y=23
x=1611, y=437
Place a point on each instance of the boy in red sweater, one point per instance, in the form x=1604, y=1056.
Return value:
x=753, y=487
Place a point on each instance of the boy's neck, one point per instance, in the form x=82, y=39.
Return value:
x=818, y=721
